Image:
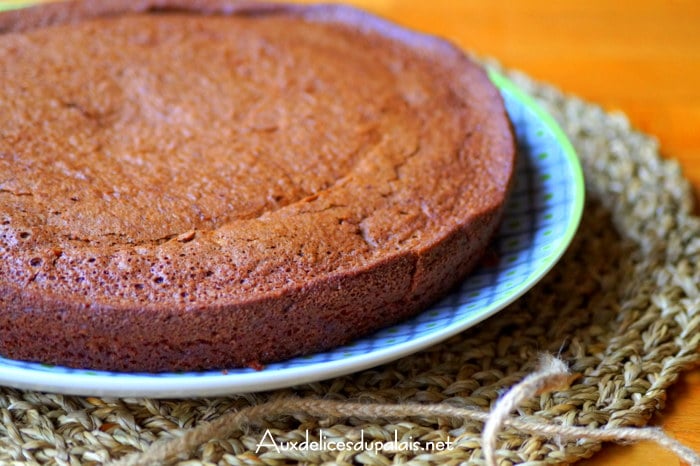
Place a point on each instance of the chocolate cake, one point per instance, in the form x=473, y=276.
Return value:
x=210, y=184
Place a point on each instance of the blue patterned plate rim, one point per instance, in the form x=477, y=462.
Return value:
x=555, y=211
x=568, y=152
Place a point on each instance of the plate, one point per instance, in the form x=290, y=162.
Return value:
x=541, y=218
x=14, y=4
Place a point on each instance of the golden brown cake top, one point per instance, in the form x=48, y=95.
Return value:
x=173, y=158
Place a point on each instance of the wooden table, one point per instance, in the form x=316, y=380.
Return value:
x=638, y=56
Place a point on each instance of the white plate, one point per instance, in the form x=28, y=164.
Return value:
x=541, y=218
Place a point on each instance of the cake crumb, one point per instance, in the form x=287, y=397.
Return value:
x=256, y=365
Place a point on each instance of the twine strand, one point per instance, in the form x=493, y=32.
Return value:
x=553, y=374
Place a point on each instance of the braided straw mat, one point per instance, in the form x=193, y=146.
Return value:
x=621, y=308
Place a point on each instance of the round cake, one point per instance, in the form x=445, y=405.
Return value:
x=212, y=184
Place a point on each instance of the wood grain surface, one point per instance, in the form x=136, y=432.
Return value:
x=641, y=57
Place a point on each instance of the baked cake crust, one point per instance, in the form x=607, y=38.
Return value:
x=209, y=184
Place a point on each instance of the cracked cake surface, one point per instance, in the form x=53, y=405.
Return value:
x=210, y=184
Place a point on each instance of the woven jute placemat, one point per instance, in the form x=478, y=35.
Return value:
x=621, y=309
